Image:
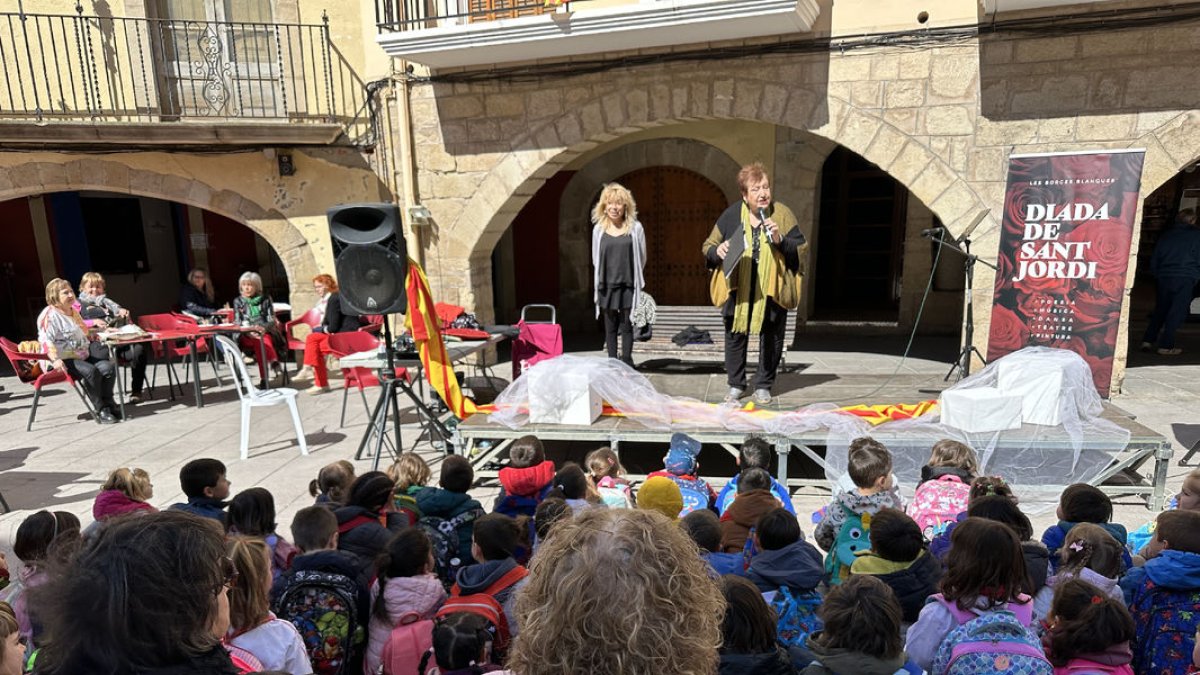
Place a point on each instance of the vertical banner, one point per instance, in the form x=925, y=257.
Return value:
x=1063, y=254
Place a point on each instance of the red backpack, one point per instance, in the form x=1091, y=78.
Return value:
x=406, y=645
x=485, y=604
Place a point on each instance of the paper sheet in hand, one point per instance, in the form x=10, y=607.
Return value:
x=737, y=246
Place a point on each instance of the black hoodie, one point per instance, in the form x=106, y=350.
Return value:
x=914, y=584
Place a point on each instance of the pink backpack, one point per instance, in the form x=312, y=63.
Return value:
x=938, y=503
x=406, y=644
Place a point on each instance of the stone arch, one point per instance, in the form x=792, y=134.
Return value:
x=574, y=225
x=34, y=178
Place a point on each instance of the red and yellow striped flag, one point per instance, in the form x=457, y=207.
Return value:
x=426, y=327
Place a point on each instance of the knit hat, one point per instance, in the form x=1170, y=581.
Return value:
x=681, y=458
x=661, y=494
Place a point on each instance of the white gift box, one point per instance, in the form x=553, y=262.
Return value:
x=565, y=399
x=980, y=409
x=1039, y=386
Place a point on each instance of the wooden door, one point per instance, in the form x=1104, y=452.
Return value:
x=860, y=243
x=678, y=208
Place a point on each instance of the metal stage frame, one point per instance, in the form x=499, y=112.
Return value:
x=1144, y=445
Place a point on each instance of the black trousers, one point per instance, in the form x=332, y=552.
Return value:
x=98, y=377
x=136, y=355
x=770, y=348
x=618, y=321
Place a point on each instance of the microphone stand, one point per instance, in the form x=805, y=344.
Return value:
x=962, y=363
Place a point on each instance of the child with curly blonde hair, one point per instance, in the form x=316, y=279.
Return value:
x=125, y=491
x=412, y=475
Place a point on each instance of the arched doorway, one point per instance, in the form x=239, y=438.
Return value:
x=678, y=207
x=861, y=233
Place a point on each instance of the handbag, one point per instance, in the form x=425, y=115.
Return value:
x=643, y=333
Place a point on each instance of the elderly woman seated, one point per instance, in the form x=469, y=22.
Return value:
x=71, y=345
x=196, y=296
x=254, y=308
x=99, y=310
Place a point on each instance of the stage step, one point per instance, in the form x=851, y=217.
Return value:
x=670, y=319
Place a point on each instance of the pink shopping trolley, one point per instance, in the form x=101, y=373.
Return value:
x=538, y=340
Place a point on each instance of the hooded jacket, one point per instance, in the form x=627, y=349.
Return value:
x=360, y=533
x=913, y=583
x=827, y=530
x=742, y=515
x=476, y=579
x=111, y=503
x=421, y=595
x=829, y=661
x=526, y=482
x=1055, y=535
x=798, y=566
x=775, y=662
x=725, y=563
x=1172, y=570
x=1045, y=596
x=439, y=503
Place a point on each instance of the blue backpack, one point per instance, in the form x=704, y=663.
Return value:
x=797, y=614
x=997, y=641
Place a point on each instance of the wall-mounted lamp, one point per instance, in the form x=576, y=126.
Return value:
x=286, y=166
x=419, y=215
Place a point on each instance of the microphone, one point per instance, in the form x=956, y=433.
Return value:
x=762, y=214
x=933, y=232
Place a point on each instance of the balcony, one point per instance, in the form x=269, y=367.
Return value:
x=75, y=79
x=466, y=33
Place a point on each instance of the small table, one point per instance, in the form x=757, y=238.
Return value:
x=159, y=336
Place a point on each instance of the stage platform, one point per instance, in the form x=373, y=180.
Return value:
x=794, y=389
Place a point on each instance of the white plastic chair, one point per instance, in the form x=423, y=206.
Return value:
x=252, y=397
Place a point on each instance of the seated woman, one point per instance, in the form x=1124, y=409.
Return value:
x=99, y=310
x=254, y=308
x=196, y=296
x=71, y=345
x=336, y=318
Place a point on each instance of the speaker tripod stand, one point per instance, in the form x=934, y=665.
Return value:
x=386, y=415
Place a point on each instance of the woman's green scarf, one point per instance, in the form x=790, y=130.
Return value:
x=254, y=307
x=749, y=311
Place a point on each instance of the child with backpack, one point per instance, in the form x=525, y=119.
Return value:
x=448, y=513
x=204, y=482
x=608, y=478
x=332, y=484
x=1083, y=503
x=981, y=486
x=1088, y=631
x=252, y=513
x=462, y=645
x=787, y=571
x=1164, y=595
x=274, y=642
x=704, y=528
x=1004, y=510
x=898, y=558
x=983, y=614
x=755, y=453
x=411, y=475
x=1187, y=499
x=661, y=494
x=571, y=485
x=754, y=498
x=405, y=598
x=861, y=633
x=680, y=466
x=945, y=486
x=493, y=582
x=324, y=582
x=526, y=480
x=1090, y=554
x=366, y=523
x=748, y=642
x=843, y=530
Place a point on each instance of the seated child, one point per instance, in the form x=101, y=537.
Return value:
x=571, y=485
x=315, y=532
x=252, y=627
x=451, y=501
x=754, y=498
x=899, y=559
x=496, y=538
x=608, y=478
x=1088, y=553
x=982, y=486
x=755, y=453
x=252, y=513
x=526, y=480
x=1088, y=631
x=861, y=632
x=1082, y=503
x=680, y=466
x=461, y=644
x=412, y=475
x=37, y=538
x=661, y=494
x=705, y=529
x=1005, y=510
x=406, y=591
x=361, y=521
x=204, y=483
x=985, y=573
x=12, y=648
x=1188, y=499
x=125, y=491
x=869, y=465
x=549, y=513
x=332, y=484
x=945, y=487
x=950, y=458
x=784, y=558
x=1164, y=595
x=748, y=638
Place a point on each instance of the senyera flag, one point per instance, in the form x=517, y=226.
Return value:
x=1064, y=253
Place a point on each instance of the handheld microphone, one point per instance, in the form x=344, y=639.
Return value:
x=762, y=214
x=933, y=231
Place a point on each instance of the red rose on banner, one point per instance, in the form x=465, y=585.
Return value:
x=1008, y=332
x=1109, y=245
x=1098, y=341
x=1111, y=286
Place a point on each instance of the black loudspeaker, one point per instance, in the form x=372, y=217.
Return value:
x=371, y=257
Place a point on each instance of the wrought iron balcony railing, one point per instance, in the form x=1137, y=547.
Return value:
x=113, y=69
x=405, y=15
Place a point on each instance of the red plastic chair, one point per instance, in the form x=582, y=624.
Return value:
x=16, y=356
x=190, y=324
x=311, y=318
x=374, y=324
x=344, y=344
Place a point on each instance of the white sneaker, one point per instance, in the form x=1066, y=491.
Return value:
x=734, y=394
x=317, y=389
x=762, y=396
x=305, y=373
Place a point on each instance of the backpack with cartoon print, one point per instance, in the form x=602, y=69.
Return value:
x=851, y=539
x=323, y=606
